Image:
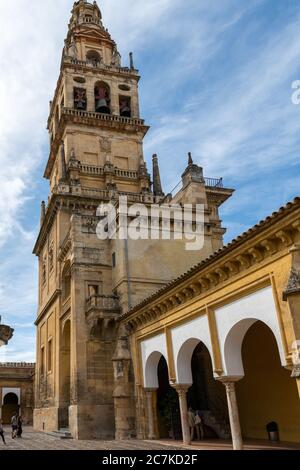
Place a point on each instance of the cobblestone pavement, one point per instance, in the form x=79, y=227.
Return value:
x=33, y=440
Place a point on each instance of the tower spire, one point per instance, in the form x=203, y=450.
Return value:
x=157, y=186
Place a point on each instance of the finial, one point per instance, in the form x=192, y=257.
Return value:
x=190, y=159
x=131, y=60
x=157, y=186
x=63, y=162
x=43, y=211
x=72, y=155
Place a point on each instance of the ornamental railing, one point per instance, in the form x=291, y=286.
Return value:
x=104, y=302
x=102, y=117
x=17, y=364
x=214, y=182
x=91, y=169
x=101, y=65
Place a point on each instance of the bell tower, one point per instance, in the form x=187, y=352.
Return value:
x=95, y=112
x=85, y=283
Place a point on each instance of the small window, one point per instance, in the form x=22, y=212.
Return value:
x=93, y=290
x=114, y=261
x=124, y=87
x=50, y=353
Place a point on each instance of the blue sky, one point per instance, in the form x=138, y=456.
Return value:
x=216, y=81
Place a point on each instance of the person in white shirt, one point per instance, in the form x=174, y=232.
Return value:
x=14, y=425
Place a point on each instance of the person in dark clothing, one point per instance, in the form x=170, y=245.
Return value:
x=2, y=432
x=20, y=429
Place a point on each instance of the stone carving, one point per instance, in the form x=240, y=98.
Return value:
x=296, y=372
x=51, y=258
x=293, y=285
x=116, y=58
x=89, y=224
x=105, y=144
x=72, y=48
x=6, y=333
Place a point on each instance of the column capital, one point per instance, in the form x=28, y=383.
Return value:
x=230, y=379
x=149, y=389
x=181, y=389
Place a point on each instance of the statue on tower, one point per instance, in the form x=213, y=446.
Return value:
x=6, y=333
x=116, y=58
x=72, y=48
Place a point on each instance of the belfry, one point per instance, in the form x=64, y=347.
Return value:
x=84, y=373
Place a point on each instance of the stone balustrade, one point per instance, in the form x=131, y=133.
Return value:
x=102, y=117
x=101, y=65
x=103, y=302
x=25, y=365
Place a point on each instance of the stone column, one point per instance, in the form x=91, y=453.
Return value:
x=182, y=391
x=150, y=412
x=237, y=440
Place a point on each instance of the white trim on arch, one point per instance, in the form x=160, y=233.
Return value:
x=185, y=338
x=16, y=391
x=234, y=320
x=151, y=350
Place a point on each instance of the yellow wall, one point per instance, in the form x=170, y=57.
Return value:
x=267, y=393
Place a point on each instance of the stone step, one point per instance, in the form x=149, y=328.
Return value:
x=61, y=434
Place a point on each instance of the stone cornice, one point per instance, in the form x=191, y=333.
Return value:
x=52, y=299
x=89, y=198
x=273, y=235
x=58, y=200
x=64, y=248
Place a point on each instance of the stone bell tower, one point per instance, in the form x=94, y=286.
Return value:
x=96, y=155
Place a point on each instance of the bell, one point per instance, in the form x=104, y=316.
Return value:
x=101, y=107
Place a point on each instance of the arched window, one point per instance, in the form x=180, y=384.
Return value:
x=125, y=106
x=94, y=57
x=66, y=281
x=102, y=98
x=80, y=98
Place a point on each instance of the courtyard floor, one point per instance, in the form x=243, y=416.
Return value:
x=33, y=440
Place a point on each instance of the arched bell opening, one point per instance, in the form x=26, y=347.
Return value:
x=93, y=57
x=125, y=106
x=102, y=98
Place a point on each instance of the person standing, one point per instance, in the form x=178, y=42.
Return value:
x=192, y=424
x=2, y=432
x=199, y=425
x=20, y=429
x=14, y=425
